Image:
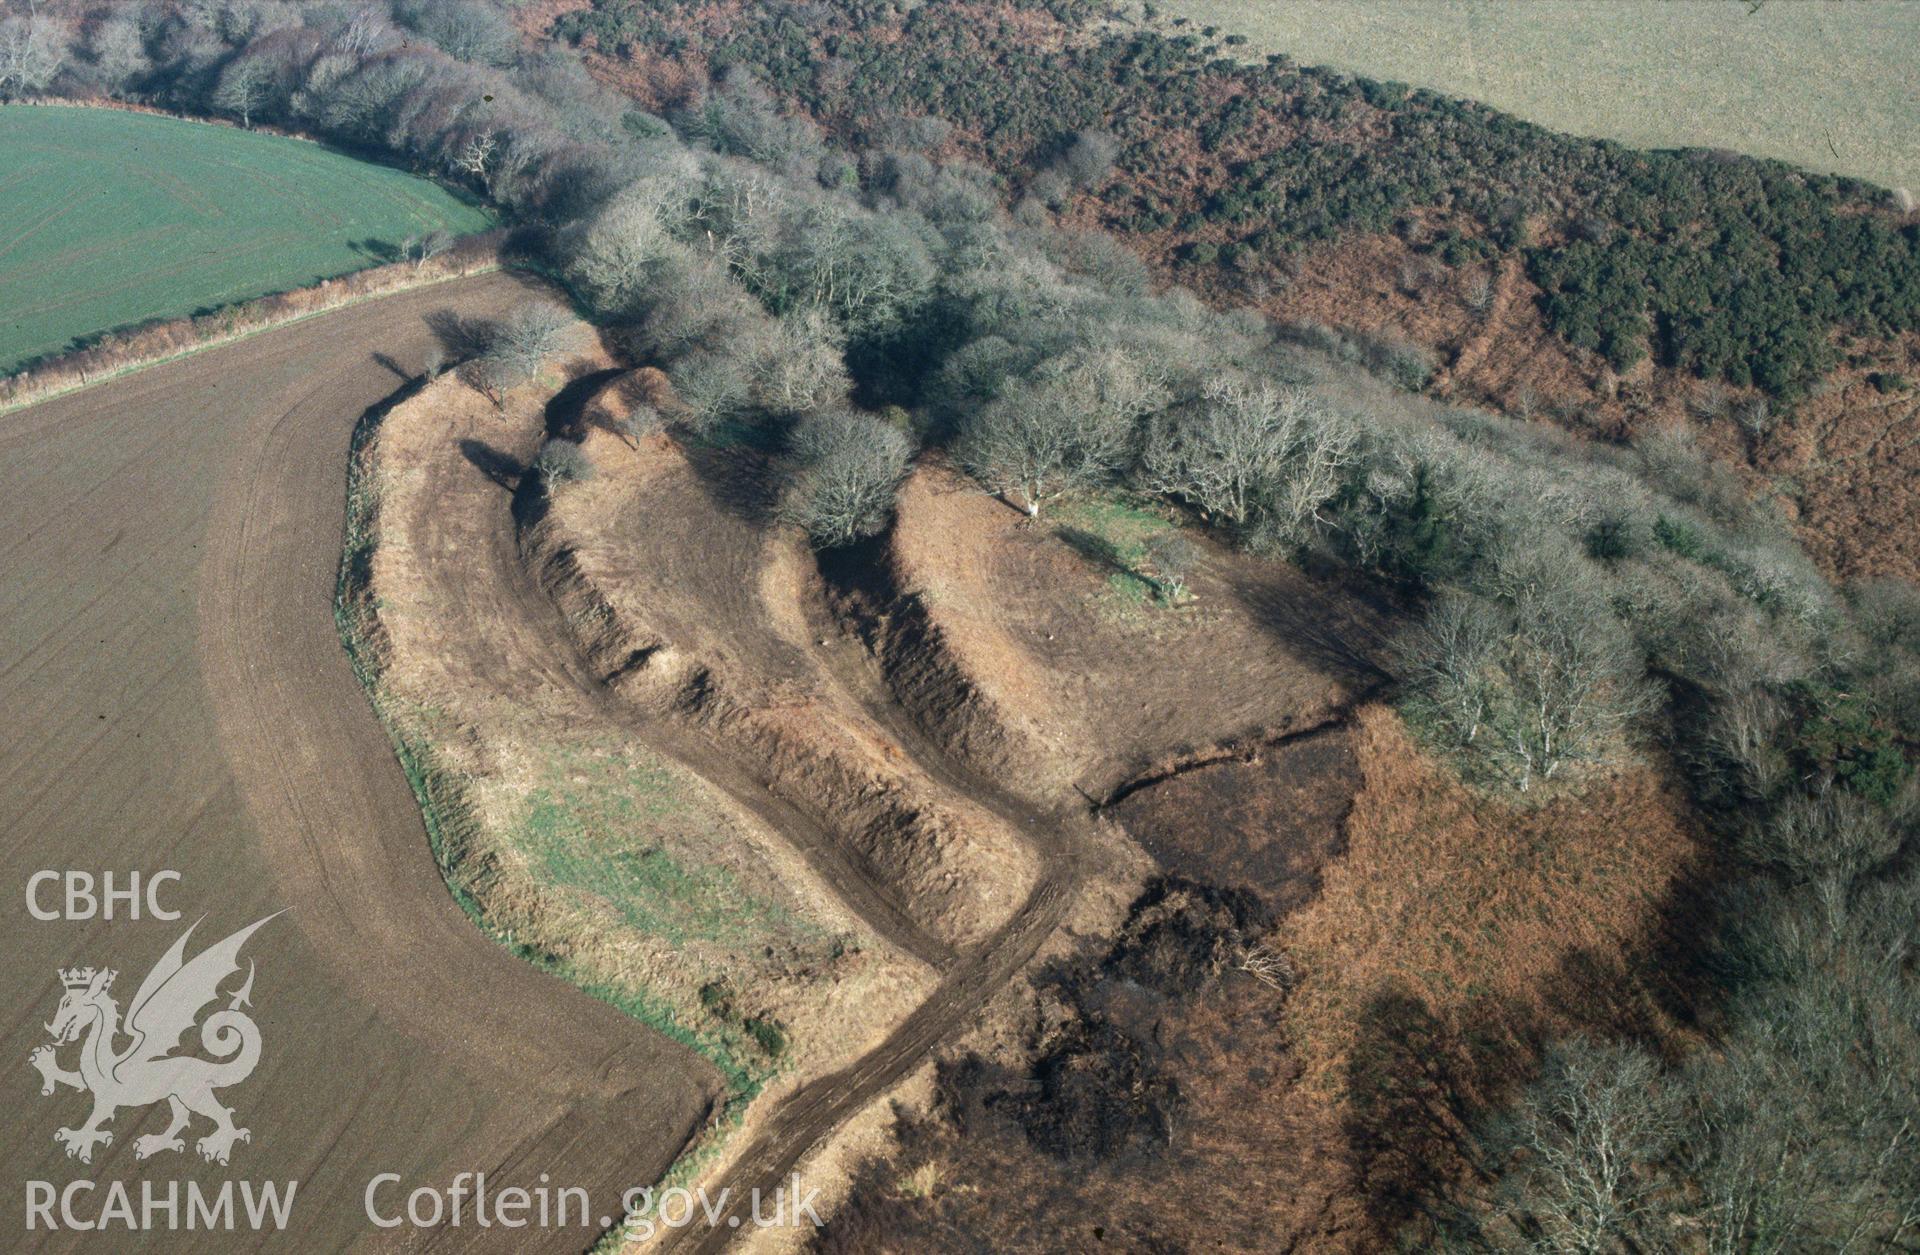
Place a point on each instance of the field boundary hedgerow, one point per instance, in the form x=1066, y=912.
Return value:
x=207, y=119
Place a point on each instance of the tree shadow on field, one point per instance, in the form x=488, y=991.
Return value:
x=1346, y=643
x=742, y=481
x=1411, y=1103
x=1426, y=1087
x=566, y=410
x=1098, y=550
x=383, y=251
x=1674, y=970
x=460, y=336
x=499, y=467
x=393, y=366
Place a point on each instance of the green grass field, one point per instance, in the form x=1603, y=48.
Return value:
x=110, y=218
x=1826, y=84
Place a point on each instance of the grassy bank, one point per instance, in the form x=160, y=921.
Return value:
x=552, y=815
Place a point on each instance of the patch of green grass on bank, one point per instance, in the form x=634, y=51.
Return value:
x=1112, y=532
x=593, y=829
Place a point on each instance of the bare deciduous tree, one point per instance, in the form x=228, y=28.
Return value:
x=850, y=466
x=620, y=251
x=1533, y=676
x=1739, y=754
x=1450, y=659
x=475, y=156
x=739, y=116
x=1806, y=1125
x=1244, y=450
x=530, y=333
x=492, y=376
x=690, y=305
x=1264, y=963
x=1576, y=683
x=1066, y=429
x=31, y=52
x=1585, y=1140
x=1571, y=679
x=863, y=268
x=798, y=366
x=562, y=461
x=512, y=350
x=421, y=249
x=1755, y=416
x=1711, y=401
x=466, y=29
x=119, y=52
x=1172, y=557
x=712, y=384
x=1478, y=291
x=364, y=31
x=1834, y=832
x=1088, y=158
x=642, y=421
x=244, y=87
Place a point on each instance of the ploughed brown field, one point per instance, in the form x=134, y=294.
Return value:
x=177, y=699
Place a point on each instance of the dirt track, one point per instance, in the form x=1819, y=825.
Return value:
x=814, y=1112
x=177, y=699
x=487, y=548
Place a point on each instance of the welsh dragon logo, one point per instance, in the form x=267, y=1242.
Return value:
x=168, y=1003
